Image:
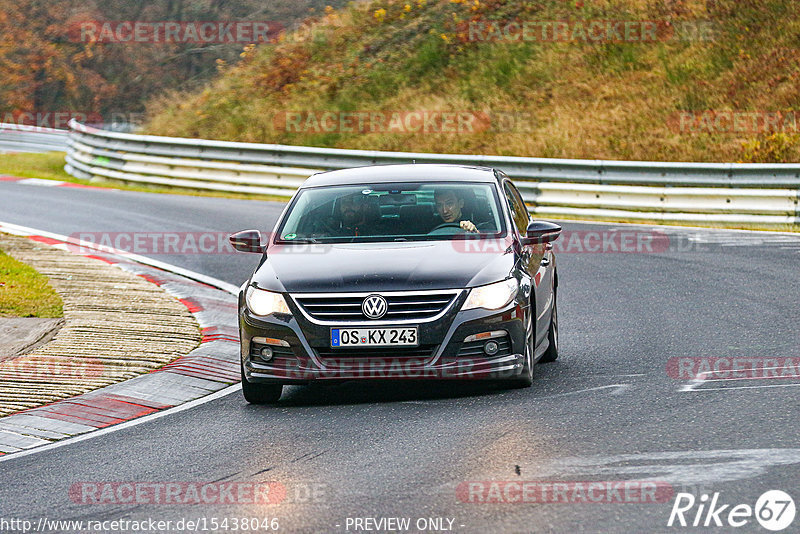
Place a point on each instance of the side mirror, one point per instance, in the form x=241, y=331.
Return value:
x=541, y=232
x=247, y=241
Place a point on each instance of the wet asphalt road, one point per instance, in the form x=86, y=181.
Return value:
x=607, y=410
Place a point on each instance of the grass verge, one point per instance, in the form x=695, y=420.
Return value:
x=26, y=293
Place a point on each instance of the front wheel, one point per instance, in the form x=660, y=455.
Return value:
x=260, y=393
x=551, y=354
x=525, y=378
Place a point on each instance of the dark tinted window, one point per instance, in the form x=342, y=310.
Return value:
x=518, y=210
x=393, y=211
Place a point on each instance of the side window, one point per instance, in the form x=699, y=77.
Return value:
x=518, y=210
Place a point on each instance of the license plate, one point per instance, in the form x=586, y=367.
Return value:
x=374, y=337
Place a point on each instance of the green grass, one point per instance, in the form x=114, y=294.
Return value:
x=26, y=293
x=48, y=165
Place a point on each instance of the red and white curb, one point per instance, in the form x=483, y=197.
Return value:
x=41, y=182
x=210, y=368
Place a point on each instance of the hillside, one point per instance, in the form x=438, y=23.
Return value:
x=50, y=64
x=683, y=80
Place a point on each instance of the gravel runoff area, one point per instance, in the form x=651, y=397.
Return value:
x=116, y=325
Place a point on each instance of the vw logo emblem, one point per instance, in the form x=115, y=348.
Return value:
x=374, y=307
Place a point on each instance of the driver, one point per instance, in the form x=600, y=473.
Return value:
x=449, y=206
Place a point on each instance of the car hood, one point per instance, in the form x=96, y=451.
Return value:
x=385, y=266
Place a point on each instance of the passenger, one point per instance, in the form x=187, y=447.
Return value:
x=450, y=206
x=350, y=218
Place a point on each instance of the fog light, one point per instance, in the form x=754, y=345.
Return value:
x=266, y=354
x=491, y=348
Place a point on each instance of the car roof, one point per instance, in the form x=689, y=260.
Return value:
x=424, y=172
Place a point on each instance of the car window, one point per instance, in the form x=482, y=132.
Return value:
x=519, y=213
x=393, y=212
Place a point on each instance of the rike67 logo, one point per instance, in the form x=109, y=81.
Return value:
x=774, y=510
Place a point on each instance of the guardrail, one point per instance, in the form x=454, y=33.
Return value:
x=765, y=194
x=24, y=138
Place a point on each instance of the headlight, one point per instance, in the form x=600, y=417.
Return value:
x=263, y=303
x=492, y=297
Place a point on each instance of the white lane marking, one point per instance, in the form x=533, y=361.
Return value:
x=771, y=377
x=609, y=376
x=618, y=388
x=702, y=378
x=674, y=467
x=694, y=383
x=40, y=182
x=749, y=387
x=128, y=424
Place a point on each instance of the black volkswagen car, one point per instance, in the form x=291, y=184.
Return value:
x=399, y=272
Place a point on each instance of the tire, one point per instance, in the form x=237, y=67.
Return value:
x=525, y=378
x=551, y=354
x=260, y=393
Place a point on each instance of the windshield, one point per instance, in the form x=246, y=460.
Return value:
x=393, y=212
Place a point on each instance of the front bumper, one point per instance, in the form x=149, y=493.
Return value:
x=301, y=352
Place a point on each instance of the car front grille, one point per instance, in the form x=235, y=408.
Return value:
x=401, y=306
x=386, y=356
